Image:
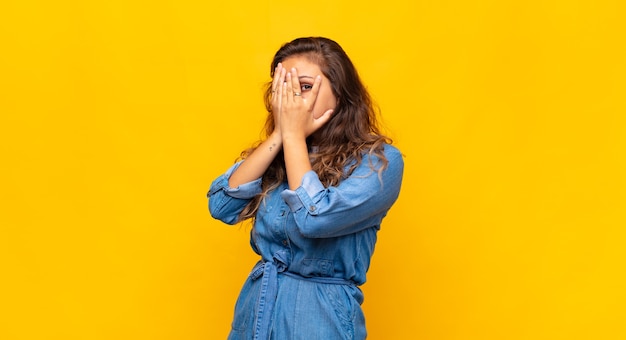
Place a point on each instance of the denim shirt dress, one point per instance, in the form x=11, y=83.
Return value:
x=315, y=245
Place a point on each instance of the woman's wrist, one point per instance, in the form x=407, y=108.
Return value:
x=276, y=134
x=290, y=137
x=275, y=140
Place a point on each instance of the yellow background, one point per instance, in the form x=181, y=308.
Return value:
x=116, y=116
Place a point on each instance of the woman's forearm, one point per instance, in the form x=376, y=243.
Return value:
x=254, y=166
x=297, y=159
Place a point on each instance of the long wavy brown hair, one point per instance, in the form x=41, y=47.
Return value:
x=352, y=131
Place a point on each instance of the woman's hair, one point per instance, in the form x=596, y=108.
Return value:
x=351, y=131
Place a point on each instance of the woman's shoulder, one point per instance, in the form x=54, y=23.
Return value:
x=395, y=158
x=391, y=151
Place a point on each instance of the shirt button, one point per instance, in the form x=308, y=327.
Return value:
x=312, y=208
x=285, y=242
x=282, y=213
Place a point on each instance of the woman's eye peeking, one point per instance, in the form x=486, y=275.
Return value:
x=306, y=87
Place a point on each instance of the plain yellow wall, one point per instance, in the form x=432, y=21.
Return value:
x=116, y=115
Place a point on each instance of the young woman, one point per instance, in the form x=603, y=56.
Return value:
x=317, y=188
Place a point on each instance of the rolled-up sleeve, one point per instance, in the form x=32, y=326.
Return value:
x=225, y=203
x=358, y=202
x=305, y=195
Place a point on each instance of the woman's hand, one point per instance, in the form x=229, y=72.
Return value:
x=296, y=110
x=279, y=78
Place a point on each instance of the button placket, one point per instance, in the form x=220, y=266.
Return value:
x=283, y=233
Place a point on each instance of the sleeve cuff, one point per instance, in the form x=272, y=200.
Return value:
x=305, y=195
x=244, y=191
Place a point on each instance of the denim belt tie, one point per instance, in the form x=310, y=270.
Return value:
x=268, y=272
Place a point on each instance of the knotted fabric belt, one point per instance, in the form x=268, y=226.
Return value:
x=268, y=272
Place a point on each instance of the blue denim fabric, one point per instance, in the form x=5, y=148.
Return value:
x=315, y=244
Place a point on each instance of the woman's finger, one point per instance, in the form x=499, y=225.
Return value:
x=289, y=87
x=283, y=90
x=279, y=76
x=279, y=94
x=321, y=120
x=315, y=90
x=295, y=83
x=277, y=73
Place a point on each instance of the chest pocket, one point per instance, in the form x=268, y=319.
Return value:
x=317, y=267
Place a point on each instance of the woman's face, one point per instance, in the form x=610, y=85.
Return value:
x=307, y=71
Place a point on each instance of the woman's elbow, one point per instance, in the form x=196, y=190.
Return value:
x=219, y=212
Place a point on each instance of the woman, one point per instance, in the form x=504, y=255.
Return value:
x=317, y=188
